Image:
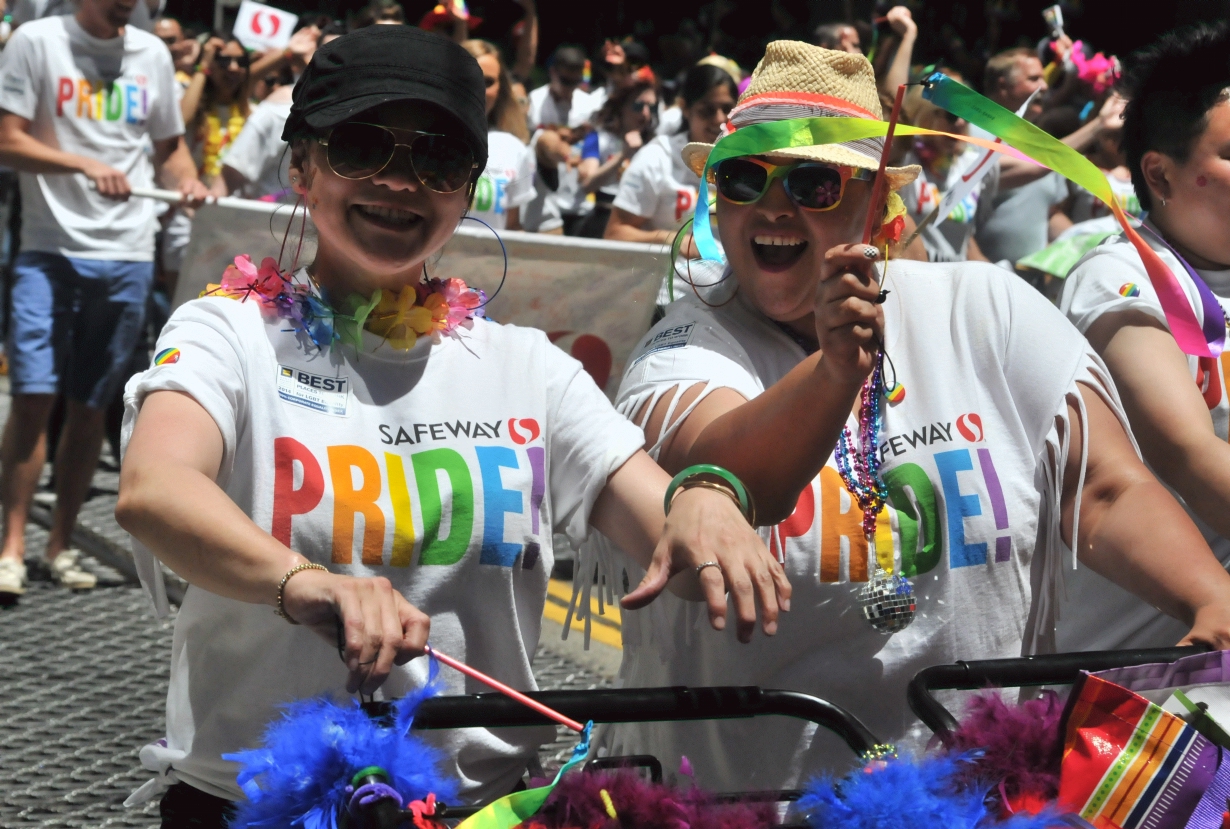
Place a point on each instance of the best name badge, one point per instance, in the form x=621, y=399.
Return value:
x=317, y=392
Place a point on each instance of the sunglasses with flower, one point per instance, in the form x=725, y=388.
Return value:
x=812, y=185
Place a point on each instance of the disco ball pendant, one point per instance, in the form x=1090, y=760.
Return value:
x=887, y=601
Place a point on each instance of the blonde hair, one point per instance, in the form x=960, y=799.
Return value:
x=506, y=115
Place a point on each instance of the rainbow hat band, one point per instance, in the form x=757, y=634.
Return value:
x=1129, y=289
x=896, y=394
x=166, y=356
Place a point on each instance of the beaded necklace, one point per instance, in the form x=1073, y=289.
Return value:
x=887, y=599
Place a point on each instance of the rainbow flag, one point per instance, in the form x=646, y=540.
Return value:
x=1127, y=764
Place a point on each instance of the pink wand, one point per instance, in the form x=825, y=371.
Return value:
x=504, y=689
x=877, y=189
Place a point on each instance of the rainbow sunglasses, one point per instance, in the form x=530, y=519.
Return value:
x=812, y=185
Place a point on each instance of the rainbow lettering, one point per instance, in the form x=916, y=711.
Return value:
x=1129, y=289
x=96, y=100
x=166, y=356
x=432, y=502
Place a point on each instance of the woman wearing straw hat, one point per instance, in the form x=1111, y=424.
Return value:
x=945, y=411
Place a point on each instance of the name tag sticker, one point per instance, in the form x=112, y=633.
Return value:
x=669, y=338
x=320, y=393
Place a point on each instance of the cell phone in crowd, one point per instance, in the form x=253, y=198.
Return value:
x=1053, y=15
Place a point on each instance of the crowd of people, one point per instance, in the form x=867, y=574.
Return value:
x=837, y=458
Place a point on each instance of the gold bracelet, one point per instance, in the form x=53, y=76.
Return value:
x=694, y=483
x=307, y=565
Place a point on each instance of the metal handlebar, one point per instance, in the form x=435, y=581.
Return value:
x=627, y=705
x=1050, y=669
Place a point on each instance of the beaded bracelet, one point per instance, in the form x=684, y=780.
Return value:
x=281, y=608
x=696, y=476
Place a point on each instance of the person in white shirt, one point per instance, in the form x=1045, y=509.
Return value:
x=658, y=192
x=507, y=184
x=626, y=122
x=558, y=119
x=306, y=468
x=81, y=99
x=1176, y=123
x=999, y=452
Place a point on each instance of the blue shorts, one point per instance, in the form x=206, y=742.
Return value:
x=75, y=324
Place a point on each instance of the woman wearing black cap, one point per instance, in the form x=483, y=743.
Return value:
x=357, y=444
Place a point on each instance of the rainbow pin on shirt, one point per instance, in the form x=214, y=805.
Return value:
x=896, y=394
x=1129, y=289
x=166, y=357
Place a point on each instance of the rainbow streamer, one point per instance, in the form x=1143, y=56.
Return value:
x=514, y=809
x=1021, y=139
x=1193, y=337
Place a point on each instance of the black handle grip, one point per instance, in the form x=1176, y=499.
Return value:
x=640, y=705
x=1049, y=669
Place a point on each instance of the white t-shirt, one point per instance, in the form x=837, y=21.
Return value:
x=658, y=186
x=258, y=153
x=1097, y=619
x=459, y=458
x=508, y=181
x=987, y=364
x=949, y=241
x=56, y=75
x=544, y=111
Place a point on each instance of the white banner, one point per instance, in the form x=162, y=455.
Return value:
x=262, y=27
x=594, y=298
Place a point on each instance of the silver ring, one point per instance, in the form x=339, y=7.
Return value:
x=870, y=252
x=701, y=567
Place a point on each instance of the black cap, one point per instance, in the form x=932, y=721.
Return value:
x=378, y=64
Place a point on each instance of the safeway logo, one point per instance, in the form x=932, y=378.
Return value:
x=970, y=427
x=258, y=26
x=523, y=430
x=273, y=24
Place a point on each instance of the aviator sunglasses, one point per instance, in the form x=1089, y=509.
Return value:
x=812, y=185
x=356, y=150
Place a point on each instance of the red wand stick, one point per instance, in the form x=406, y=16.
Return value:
x=504, y=689
x=877, y=189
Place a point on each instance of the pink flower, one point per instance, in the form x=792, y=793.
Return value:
x=462, y=302
x=244, y=279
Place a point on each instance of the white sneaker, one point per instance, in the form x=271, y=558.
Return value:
x=12, y=577
x=67, y=572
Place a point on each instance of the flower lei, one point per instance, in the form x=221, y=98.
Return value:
x=437, y=306
x=216, y=139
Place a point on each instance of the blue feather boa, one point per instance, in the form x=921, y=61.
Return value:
x=299, y=778
x=923, y=794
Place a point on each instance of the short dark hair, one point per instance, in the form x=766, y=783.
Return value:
x=1171, y=85
x=568, y=57
x=828, y=35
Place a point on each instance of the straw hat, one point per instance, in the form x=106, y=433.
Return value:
x=798, y=80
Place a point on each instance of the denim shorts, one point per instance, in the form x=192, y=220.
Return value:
x=75, y=324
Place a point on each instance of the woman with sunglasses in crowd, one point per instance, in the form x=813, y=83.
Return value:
x=624, y=124
x=507, y=184
x=946, y=411
x=658, y=192
x=943, y=161
x=353, y=449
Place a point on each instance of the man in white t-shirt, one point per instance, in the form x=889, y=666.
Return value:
x=558, y=118
x=81, y=99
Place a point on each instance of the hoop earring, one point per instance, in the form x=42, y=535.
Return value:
x=286, y=235
x=504, y=250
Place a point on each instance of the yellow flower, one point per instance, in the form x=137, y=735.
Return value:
x=438, y=306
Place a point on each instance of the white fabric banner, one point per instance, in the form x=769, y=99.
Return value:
x=594, y=298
